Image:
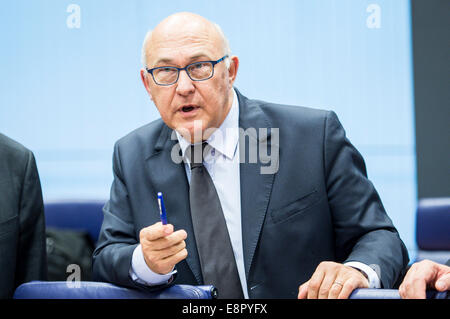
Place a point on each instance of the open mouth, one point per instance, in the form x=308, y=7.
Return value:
x=187, y=109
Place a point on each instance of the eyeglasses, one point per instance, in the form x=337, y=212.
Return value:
x=197, y=71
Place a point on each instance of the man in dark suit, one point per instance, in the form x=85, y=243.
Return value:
x=306, y=213
x=22, y=224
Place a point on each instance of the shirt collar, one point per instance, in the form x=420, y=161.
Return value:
x=226, y=137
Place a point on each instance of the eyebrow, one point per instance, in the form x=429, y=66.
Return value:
x=192, y=58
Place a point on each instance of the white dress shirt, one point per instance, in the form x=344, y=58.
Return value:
x=222, y=163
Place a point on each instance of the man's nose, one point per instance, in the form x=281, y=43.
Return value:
x=184, y=84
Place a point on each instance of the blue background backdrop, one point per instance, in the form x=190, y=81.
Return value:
x=69, y=93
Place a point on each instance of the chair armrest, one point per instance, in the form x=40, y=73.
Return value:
x=369, y=293
x=102, y=290
x=366, y=293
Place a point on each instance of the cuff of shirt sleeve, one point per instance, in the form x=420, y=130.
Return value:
x=141, y=273
x=372, y=276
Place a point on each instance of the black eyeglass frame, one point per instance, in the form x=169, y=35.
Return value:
x=213, y=63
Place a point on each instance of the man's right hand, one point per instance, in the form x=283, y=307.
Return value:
x=162, y=247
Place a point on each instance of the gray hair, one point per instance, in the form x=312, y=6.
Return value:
x=226, y=46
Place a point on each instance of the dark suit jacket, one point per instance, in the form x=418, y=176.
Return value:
x=22, y=224
x=319, y=205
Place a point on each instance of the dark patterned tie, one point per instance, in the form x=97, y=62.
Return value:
x=210, y=230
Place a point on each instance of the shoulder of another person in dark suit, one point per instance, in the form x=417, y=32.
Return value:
x=14, y=157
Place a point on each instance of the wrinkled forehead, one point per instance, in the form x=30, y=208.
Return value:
x=182, y=40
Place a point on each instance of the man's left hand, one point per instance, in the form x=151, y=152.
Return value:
x=332, y=280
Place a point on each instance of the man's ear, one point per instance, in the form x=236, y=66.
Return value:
x=232, y=70
x=144, y=78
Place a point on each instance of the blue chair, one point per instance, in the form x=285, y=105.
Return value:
x=433, y=230
x=102, y=290
x=83, y=216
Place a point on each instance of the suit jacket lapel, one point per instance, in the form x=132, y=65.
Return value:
x=255, y=187
x=170, y=178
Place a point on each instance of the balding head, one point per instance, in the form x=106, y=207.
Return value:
x=184, y=26
x=189, y=104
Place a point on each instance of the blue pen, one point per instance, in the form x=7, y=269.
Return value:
x=162, y=209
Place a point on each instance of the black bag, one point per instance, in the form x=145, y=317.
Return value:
x=68, y=247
